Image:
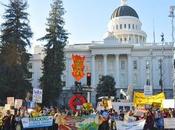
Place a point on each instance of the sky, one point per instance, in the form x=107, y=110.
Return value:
x=86, y=20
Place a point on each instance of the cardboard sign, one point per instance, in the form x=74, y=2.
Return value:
x=18, y=103
x=37, y=95
x=7, y=107
x=169, y=123
x=11, y=101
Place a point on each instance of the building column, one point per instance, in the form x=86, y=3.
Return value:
x=105, y=64
x=129, y=70
x=93, y=71
x=128, y=41
x=117, y=76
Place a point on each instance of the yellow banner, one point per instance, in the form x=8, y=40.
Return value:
x=140, y=99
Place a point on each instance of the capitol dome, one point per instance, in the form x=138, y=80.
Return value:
x=124, y=11
x=125, y=25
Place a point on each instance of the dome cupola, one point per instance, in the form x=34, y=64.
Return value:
x=124, y=10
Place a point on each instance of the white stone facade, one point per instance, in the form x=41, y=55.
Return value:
x=124, y=54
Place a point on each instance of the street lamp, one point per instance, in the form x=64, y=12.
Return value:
x=171, y=15
x=172, y=8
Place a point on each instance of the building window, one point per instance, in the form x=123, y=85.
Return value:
x=129, y=26
x=135, y=79
x=120, y=26
x=124, y=25
x=125, y=39
x=135, y=65
x=121, y=39
x=116, y=26
x=122, y=65
x=133, y=26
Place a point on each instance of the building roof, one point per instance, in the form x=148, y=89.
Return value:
x=124, y=11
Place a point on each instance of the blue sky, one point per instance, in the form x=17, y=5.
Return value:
x=86, y=20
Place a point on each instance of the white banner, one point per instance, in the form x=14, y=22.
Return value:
x=37, y=122
x=136, y=125
x=148, y=90
x=169, y=123
x=37, y=95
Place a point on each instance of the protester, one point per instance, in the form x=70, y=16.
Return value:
x=159, y=120
x=6, y=121
x=149, y=124
x=104, y=124
x=1, y=123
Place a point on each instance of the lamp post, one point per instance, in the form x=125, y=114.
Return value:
x=172, y=15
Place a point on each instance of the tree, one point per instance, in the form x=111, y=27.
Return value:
x=106, y=86
x=15, y=37
x=53, y=63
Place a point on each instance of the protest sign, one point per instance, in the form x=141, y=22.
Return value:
x=140, y=99
x=7, y=107
x=169, y=123
x=18, y=103
x=148, y=90
x=136, y=125
x=169, y=103
x=37, y=122
x=11, y=101
x=37, y=95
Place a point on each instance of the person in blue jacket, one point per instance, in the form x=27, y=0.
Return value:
x=159, y=120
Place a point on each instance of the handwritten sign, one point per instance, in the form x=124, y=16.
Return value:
x=37, y=95
x=18, y=103
x=11, y=101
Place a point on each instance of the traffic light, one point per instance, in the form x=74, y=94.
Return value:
x=88, y=79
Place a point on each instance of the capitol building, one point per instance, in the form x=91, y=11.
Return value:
x=124, y=54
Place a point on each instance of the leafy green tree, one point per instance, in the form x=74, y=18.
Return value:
x=106, y=86
x=15, y=37
x=53, y=63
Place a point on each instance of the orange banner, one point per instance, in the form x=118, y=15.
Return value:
x=78, y=67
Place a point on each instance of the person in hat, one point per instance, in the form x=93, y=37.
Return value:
x=104, y=118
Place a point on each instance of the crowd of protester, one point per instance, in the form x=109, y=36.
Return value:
x=154, y=118
x=12, y=120
x=107, y=118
